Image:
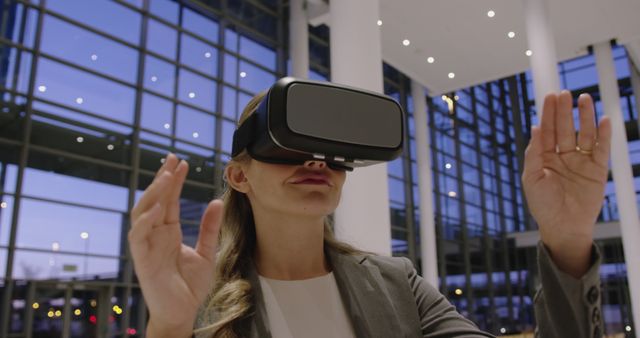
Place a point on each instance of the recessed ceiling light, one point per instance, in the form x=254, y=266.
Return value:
x=79, y=100
x=491, y=13
x=192, y=95
x=406, y=42
x=94, y=57
x=452, y=194
x=42, y=89
x=80, y=139
x=243, y=74
x=195, y=134
x=154, y=78
x=431, y=59
x=110, y=146
x=207, y=55
x=511, y=35
x=448, y=165
x=452, y=75
x=528, y=52
x=167, y=126
x=379, y=22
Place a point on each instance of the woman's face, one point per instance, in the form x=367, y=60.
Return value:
x=311, y=189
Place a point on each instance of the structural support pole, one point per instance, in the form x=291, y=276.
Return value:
x=428, y=249
x=363, y=217
x=544, y=60
x=621, y=169
x=298, y=39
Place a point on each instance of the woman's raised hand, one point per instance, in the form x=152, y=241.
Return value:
x=175, y=278
x=564, y=179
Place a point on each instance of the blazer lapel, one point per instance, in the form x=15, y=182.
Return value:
x=364, y=296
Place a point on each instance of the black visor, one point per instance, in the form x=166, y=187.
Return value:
x=301, y=120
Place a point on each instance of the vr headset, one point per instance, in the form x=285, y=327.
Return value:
x=302, y=120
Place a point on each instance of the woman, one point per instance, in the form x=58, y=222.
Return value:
x=268, y=242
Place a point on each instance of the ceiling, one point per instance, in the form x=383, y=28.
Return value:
x=464, y=40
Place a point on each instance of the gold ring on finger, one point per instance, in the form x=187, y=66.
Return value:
x=584, y=151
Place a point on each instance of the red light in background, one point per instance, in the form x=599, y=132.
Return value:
x=131, y=331
x=93, y=319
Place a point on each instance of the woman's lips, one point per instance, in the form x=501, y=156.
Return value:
x=312, y=181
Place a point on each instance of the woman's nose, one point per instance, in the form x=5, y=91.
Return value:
x=315, y=164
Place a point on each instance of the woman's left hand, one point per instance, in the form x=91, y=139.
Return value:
x=564, y=179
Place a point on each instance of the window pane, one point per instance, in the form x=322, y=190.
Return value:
x=156, y=114
x=87, y=49
x=199, y=55
x=255, y=79
x=38, y=265
x=396, y=190
x=197, y=90
x=195, y=126
x=165, y=9
x=228, y=128
x=229, y=100
x=100, y=14
x=162, y=39
x=84, y=91
x=257, y=53
x=200, y=25
x=159, y=76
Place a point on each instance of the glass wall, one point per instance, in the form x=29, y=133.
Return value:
x=90, y=106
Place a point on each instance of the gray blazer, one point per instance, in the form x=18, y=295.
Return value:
x=385, y=297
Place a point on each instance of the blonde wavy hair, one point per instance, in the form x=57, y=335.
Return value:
x=231, y=297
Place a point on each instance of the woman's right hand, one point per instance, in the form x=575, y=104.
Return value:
x=175, y=278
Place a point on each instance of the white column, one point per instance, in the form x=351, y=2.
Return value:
x=622, y=175
x=544, y=60
x=428, y=249
x=363, y=217
x=298, y=39
x=635, y=85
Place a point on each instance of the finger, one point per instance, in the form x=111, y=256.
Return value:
x=601, y=152
x=209, y=230
x=533, y=162
x=565, y=130
x=170, y=164
x=142, y=226
x=587, y=133
x=548, y=123
x=173, y=201
x=153, y=194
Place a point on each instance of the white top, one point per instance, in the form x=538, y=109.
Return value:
x=307, y=308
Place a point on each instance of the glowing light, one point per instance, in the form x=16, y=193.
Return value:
x=195, y=134
x=3, y=205
x=444, y=97
x=627, y=328
x=50, y=314
x=93, y=319
x=42, y=89
x=456, y=97
x=110, y=147
x=58, y=313
x=117, y=309
x=503, y=330
x=79, y=100
x=55, y=246
x=452, y=194
x=207, y=55
x=458, y=292
x=452, y=75
x=162, y=160
x=35, y=306
x=93, y=303
x=94, y=57
x=431, y=59
x=491, y=14
x=511, y=35
x=167, y=126
x=77, y=312
x=243, y=74
x=80, y=139
x=198, y=169
x=448, y=166
x=192, y=95
x=84, y=235
x=528, y=52
x=379, y=22
x=154, y=78
x=131, y=331
x=406, y=42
